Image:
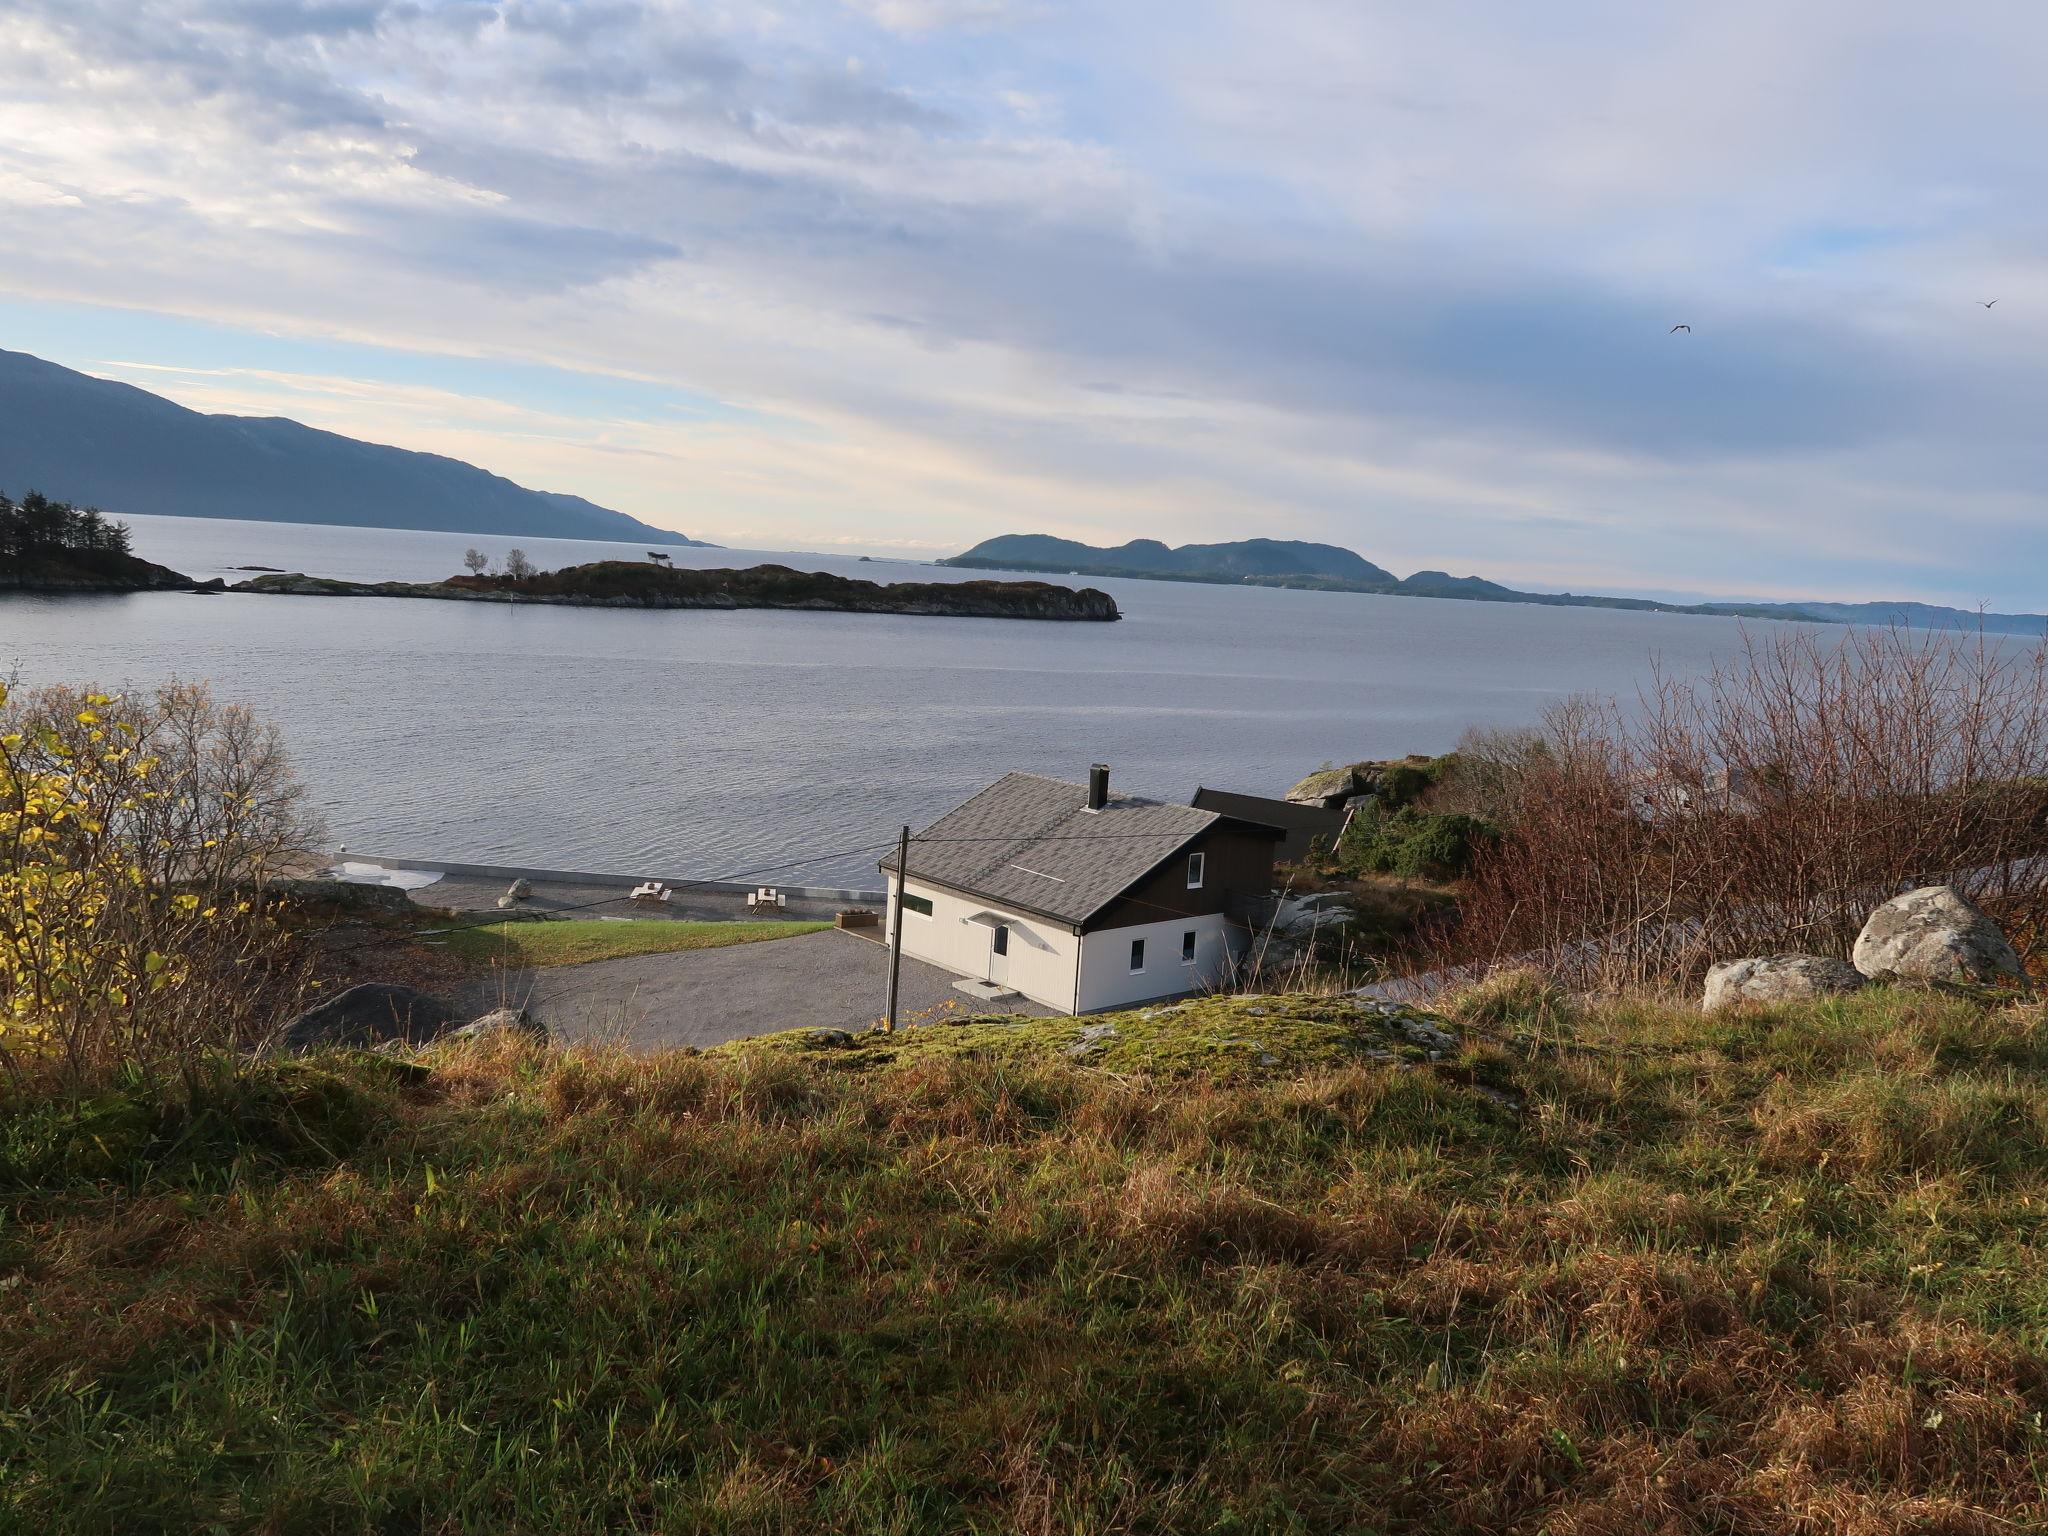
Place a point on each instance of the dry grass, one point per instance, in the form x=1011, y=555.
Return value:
x=1608, y=1267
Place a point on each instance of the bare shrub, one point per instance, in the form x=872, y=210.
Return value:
x=1492, y=766
x=1769, y=806
x=219, y=803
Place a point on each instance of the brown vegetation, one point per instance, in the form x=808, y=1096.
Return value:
x=1768, y=807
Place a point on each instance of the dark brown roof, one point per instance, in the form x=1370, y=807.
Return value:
x=1299, y=825
x=1031, y=843
x=1284, y=814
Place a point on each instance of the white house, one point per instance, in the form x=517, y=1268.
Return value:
x=1079, y=900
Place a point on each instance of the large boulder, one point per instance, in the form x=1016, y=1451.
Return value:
x=1326, y=786
x=1778, y=979
x=369, y=1015
x=1934, y=934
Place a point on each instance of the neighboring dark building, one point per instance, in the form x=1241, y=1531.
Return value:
x=1300, y=825
x=1080, y=899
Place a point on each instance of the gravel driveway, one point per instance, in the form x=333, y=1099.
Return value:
x=702, y=997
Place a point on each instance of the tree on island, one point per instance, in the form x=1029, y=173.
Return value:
x=517, y=566
x=477, y=561
x=37, y=528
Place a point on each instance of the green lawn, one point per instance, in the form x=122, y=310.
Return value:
x=1596, y=1269
x=575, y=941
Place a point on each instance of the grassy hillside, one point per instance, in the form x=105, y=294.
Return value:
x=1607, y=1269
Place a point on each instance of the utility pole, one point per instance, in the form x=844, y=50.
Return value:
x=896, y=927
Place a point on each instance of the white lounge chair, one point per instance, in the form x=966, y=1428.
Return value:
x=651, y=890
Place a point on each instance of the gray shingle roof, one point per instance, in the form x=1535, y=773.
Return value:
x=1030, y=842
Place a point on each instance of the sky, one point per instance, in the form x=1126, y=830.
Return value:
x=903, y=274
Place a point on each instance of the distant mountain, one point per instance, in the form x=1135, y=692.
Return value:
x=1918, y=615
x=1327, y=568
x=115, y=446
x=1190, y=562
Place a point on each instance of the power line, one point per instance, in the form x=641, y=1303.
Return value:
x=1077, y=837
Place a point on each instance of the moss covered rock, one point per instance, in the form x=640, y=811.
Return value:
x=1225, y=1037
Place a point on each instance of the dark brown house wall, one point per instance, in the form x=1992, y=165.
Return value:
x=1240, y=863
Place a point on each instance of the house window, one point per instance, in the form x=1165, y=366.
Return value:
x=1187, y=947
x=921, y=905
x=1137, y=957
x=1000, y=943
x=1197, y=867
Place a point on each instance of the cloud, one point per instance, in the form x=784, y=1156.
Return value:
x=1333, y=268
x=934, y=15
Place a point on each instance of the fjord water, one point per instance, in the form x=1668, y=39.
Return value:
x=721, y=743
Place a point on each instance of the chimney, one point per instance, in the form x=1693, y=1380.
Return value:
x=1098, y=786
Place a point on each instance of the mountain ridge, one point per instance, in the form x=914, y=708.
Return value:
x=1213, y=563
x=111, y=444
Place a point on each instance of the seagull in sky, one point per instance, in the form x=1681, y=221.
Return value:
x=1987, y=303
x=1688, y=329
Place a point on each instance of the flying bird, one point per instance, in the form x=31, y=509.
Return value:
x=1987, y=303
x=1676, y=328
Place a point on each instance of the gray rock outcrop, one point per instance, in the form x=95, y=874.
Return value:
x=1934, y=934
x=350, y=895
x=369, y=1015
x=501, y=1020
x=1326, y=786
x=1778, y=979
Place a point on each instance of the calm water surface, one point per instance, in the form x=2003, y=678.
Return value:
x=712, y=744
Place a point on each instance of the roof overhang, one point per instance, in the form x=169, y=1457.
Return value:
x=1071, y=925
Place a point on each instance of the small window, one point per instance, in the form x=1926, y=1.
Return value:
x=1000, y=943
x=1137, y=956
x=921, y=905
x=1187, y=947
x=1197, y=867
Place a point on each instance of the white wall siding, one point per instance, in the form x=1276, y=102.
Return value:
x=1106, y=979
x=1042, y=959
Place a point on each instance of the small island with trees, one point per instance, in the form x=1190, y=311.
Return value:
x=657, y=584
x=53, y=546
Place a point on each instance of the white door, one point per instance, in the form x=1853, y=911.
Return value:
x=999, y=955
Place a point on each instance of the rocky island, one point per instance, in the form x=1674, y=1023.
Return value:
x=627, y=584
x=53, y=546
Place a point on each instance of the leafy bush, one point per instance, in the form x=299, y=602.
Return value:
x=129, y=831
x=1404, y=783
x=1417, y=844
